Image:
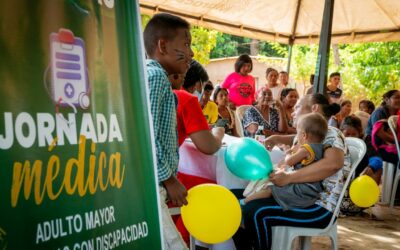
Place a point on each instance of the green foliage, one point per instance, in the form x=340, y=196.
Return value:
x=226, y=46
x=145, y=19
x=370, y=69
x=230, y=45
x=303, y=63
x=203, y=41
x=273, y=49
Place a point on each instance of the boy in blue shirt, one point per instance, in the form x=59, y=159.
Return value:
x=167, y=41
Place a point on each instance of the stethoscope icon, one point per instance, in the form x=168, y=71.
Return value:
x=69, y=90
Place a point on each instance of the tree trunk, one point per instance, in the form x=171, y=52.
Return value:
x=254, y=47
x=336, y=54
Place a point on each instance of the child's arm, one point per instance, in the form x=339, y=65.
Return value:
x=265, y=193
x=297, y=157
x=282, y=125
x=275, y=140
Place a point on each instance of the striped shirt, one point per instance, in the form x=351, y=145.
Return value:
x=163, y=109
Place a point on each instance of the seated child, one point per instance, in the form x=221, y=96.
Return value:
x=311, y=131
x=371, y=164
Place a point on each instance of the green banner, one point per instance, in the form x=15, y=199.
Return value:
x=76, y=158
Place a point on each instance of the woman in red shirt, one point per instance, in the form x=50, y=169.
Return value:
x=241, y=85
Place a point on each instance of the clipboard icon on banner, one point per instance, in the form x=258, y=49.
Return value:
x=69, y=79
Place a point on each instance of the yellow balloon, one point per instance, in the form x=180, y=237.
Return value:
x=213, y=213
x=364, y=192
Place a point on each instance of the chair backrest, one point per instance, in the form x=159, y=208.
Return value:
x=239, y=117
x=357, y=150
x=393, y=127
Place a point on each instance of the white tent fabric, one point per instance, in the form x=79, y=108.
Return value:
x=275, y=20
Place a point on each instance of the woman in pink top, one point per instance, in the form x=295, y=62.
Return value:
x=240, y=84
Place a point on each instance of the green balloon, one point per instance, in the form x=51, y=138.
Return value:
x=248, y=159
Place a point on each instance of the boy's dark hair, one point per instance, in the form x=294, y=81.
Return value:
x=334, y=74
x=209, y=86
x=242, y=59
x=352, y=121
x=370, y=105
x=161, y=26
x=283, y=72
x=195, y=73
x=315, y=125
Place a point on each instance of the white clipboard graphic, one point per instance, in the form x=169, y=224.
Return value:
x=69, y=80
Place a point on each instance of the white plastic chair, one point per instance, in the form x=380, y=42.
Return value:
x=393, y=127
x=239, y=117
x=387, y=182
x=282, y=236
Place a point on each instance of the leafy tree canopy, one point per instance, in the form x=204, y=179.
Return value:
x=370, y=69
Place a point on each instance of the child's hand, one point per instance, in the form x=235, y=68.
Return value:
x=280, y=177
x=176, y=191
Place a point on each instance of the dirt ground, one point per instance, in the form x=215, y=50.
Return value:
x=381, y=231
